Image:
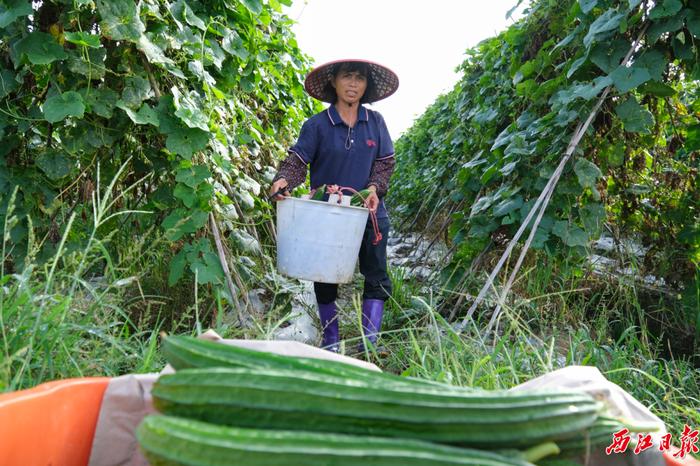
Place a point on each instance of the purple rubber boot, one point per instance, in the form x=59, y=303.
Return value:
x=372, y=312
x=329, y=325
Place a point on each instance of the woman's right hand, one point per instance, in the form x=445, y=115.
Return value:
x=276, y=186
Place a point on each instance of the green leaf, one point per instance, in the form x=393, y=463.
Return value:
x=507, y=206
x=672, y=24
x=576, y=65
x=208, y=269
x=93, y=67
x=605, y=23
x=40, y=48
x=587, y=5
x=655, y=63
x=182, y=222
x=692, y=138
x=233, y=44
x=187, y=195
x=571, y=235
x=7, y=82
x=608, y=55
x=568, y=39
x=586, y=91
x=145, y=115
x=593, y=217
x=634, y=117
x=627, y=78
x=658, y=89
x=83, y=38
x=177, y=267
x=187, y=141
x=198, y=70
x=543, y=229
x=75, y=138
x=165, y=109
x=587, y=173
x=193, y=175
x=136, y=90
x=254, y=6
x=508, y=168
x=60, y=106
x=633, y=4
x=213, y=53
x=665, y=8
x=182, y=12
x=192, y=19
x=693, y=23
x=14, y=9
x=54, y=164
x=188, y=109
x=527, y=69
x=203, y=262
x=99, y=136
x=100, y=101
x=153, y=53
x=683, y=48
x=590, y=91
x=120, y=19
x=616, y=154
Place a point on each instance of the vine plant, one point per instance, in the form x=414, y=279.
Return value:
x=197, y=99
x=485, y=150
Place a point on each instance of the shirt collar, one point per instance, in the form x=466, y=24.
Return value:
x=334, y=116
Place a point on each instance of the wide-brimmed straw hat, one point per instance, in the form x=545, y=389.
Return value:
x=383, y=82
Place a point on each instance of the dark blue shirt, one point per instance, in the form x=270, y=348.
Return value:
x=338, y=154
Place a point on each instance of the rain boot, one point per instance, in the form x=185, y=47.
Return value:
x=372, y=312
x=329, y=325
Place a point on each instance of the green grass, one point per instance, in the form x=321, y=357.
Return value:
x=557, y=326
x=67, y=317
x=91, y=312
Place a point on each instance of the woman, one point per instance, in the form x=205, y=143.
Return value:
x=348, y=145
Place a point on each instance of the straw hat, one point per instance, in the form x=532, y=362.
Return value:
x=382, y=81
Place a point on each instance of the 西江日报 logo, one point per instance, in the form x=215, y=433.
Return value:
x=621, y=440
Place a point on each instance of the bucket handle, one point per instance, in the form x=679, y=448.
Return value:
x=335, y=189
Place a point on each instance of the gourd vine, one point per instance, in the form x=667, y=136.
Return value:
x=195, y=101
x=484, y=151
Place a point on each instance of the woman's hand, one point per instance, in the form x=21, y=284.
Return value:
x=276, y=186
x=372, y=201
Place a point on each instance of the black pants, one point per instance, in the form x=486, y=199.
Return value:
x=372, y=266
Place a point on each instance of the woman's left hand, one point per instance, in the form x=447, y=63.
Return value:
x=372, y=201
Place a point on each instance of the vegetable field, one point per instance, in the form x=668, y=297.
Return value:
x=139, y=140
x=624, y=73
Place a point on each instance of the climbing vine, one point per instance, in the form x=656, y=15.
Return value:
x=484, y=151
x=194, y=100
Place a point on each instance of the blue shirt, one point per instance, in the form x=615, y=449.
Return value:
x=338, y=154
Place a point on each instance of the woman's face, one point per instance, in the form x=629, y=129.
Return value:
x=349, y=86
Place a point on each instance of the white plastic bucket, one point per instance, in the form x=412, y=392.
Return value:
x=318, y=241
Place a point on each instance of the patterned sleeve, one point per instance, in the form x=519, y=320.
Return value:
x=386, y=146
x=292, y=169
x=381, y=172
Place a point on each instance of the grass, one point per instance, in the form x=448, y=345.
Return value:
x=558, y=325
x=62, y=319
x=90, y=312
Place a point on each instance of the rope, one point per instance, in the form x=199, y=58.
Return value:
x=539, y=207
x=335, y=189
